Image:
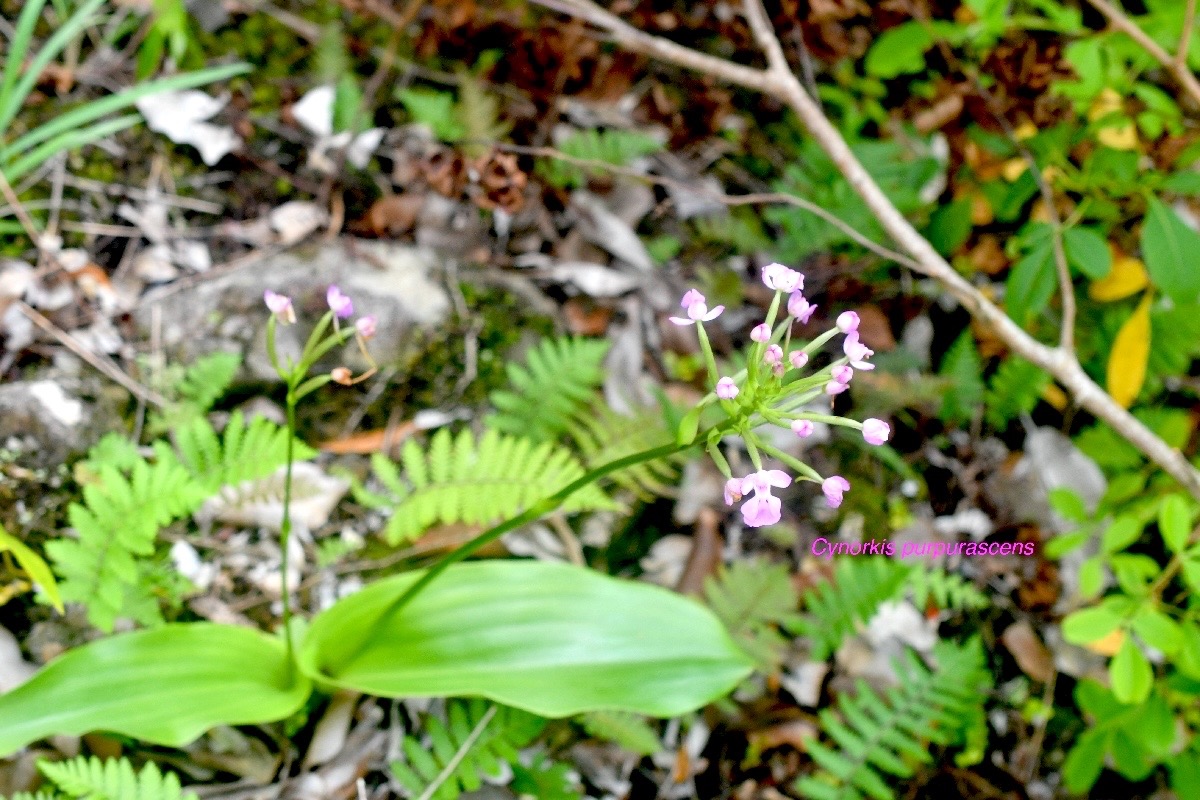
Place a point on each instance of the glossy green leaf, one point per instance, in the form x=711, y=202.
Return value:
x=166, y=686
x=1170, y=249
x=1123, y=532
x=1158, y=630
x=1130, y=674
x=1188, y=661
x=1174, y=522
x=1030, y=283
x=1091, y=577
x=548, y=638
x=36, y=568
x=899, y=50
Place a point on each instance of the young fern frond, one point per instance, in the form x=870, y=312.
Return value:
x=206, y=380
x=244, y=452
x=754, y=601
x=602, y=435
x=114, y=779
x=558, y=379
x=474, y=740
x=835, y=608
x=875, y=736
x=948, y=591
x=1013, y=390
x=629, y=730
x=461, y=480
x=116, y=524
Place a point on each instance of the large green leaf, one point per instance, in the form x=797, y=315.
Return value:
x=165, y=686
x=548, y=638
x=1172, y=253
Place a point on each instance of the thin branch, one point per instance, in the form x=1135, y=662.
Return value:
x=1117, y=18
x=101, y=363
x=755, y=199
x=1061, y=364
x=1185, y=38
x=18, y=208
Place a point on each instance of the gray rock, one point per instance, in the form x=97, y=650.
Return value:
x=395, y=282
x=46, y=421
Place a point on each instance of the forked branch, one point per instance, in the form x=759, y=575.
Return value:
x=778, y=81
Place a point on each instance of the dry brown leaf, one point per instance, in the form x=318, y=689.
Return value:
x=380, y=440
x=1031, y=655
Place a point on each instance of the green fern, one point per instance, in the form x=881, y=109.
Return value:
x=479, y=114
x=459, y=480
x=835, y=608
x=474, y=740
x=1013, y=390
x=615, y=147
x=244, y=452
x=558, y=380
x=205, y=381
x=739, y=230
x=963, y=367
x=875, y=737
x=115, y=779
x=116, y=524
x=946, y=590
x=624, y=728
x=755, y=601
x=602, y=435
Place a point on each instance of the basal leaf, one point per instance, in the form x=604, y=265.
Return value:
x=548, y=638
x=166, y=686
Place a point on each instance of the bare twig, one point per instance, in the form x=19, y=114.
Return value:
x=1185, y=38
x=755, y=199
x=779, y=82
x=14, y=202
x=1178, y=68
x=101, y=363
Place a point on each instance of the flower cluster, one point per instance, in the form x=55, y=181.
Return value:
x=340, y=307
x=765, y=392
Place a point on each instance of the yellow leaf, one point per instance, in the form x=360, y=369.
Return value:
x=33, y=565
x=1013, y=169
x=1127, y=277
x=1025, y=131
x=1105, y=103
x=1056, y=397
x=1122, y=136
x=1131, y=351
x=1108, y=645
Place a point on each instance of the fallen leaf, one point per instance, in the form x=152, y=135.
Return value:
x=1031, y=655
x=1127, y=277
x=392, y=215
x=380, y=440
x=296, y=219
x=1129, y=356
x=584, y=318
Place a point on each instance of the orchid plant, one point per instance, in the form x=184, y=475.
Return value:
x=774, y=390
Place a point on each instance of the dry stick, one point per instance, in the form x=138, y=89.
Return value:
x=14, y=202
x=101, y=363
x=1117, y=18
x=1185, y=38
x=778, y=81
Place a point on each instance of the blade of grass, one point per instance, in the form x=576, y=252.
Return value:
x=68, y=141
x=85, y=114
x=18, y=47
x=15, y=97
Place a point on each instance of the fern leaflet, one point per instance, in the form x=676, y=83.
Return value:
x=1013, y=390
x=557, y=381
x=244, y=452
x=963, y=367
x=946, y=590
x=836, y=607
x=205, y=381
x=624, y=728
x=615, y=147
x=115, y=779
x=602, y=435
x=754, y=601
x=116, y=524
x=475, y=739
x=874, y=737
x=460, y=480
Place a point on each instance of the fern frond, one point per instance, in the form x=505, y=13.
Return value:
x=835, y=608
x=740, y=231
x=116, y=524
x=601, y=435
x=754, y=601
x=629, y=730
x=114, y=779
x=963, y=366
x=473, y=740
x=461, y=480
x=874, y=737
x=948, y=591
x=479, y=114
x=557, y=381
x=615, y=147
x=206, y=380
x=1013, y=390
x=245, y=451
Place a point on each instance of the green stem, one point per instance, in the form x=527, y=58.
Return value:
x=285, y=527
